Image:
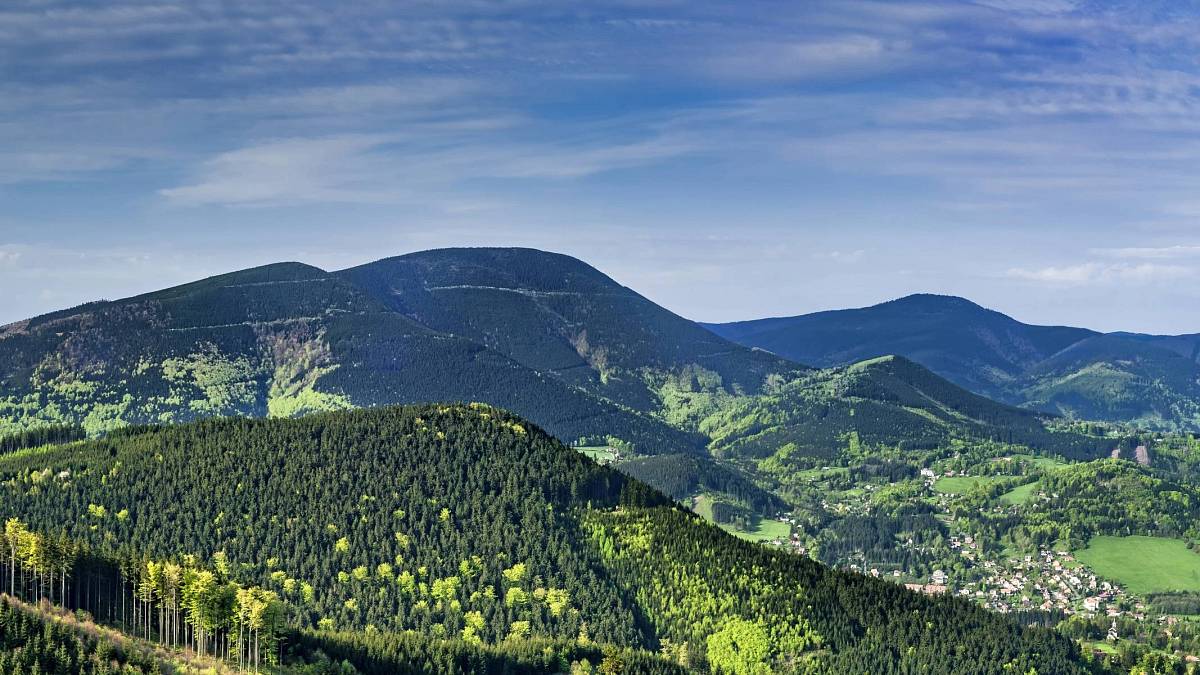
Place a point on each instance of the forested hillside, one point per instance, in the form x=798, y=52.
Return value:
x=540, y=334
x=971, y=346
x=562, y=317
x=1116, y=378
x=32, y=641
x=1148, y=380
x=459, y=523
x=280, y=340
x=882, y=402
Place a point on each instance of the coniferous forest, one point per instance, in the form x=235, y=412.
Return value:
x=443, y=539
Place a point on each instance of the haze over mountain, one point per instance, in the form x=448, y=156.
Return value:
x=1124, y=377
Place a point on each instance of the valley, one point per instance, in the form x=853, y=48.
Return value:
x=245, y=426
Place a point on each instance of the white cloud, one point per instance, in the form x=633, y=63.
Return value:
x=292, y=171
x=1151, y=252
x=809, y=59
x=1102, y=273
x=393, y=168
x=1031, y=6
x=842, y=257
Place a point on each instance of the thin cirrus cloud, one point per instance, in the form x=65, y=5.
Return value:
x=1103, y=273
x=396, y=168
x=339, y=169
x=811, y=59
x=1152, y=252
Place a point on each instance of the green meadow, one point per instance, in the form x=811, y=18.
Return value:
x=1143, y=564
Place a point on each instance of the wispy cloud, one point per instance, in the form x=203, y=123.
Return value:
x=842, y=257
x=842, y=56
x=394, y=168
x=1102, y=273
x=339, y=169
x=1151, y=252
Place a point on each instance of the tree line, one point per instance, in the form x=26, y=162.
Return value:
x=177, y=603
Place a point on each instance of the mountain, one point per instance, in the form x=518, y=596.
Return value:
x=417, y=539
x=541, y=334
x=562, y=317
x=1110, y=377
x=976, y=348
x=1143, y=379
x=884, y=402
x=279, y=340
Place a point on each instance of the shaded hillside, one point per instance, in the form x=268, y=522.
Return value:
x=279, y=340
x=681, y=476
x=1144, y=379
x=1187, y=346
x=561, y=317
x=973, y=347
x=1115, y=378
x=466, y=521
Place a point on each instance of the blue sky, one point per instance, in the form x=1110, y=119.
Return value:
x=728, y=160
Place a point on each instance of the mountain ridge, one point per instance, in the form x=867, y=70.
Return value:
x=544, y=335
x=995, y=355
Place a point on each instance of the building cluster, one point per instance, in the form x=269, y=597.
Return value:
x=1048, y=581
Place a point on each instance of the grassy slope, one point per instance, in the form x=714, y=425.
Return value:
x=1020, y=494
x=1144, y=564
x=957, y=485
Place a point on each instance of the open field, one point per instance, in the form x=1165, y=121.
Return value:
x=1143, y=564
x=601, y=453
x=702, y=505
x=1044, y=463
x=821, y=474
x=765, y=529
x=957, y=485
x=1019, y=494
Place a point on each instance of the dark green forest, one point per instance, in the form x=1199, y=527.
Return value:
x=462, y=525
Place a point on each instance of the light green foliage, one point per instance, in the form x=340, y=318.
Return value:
x=519, y=630
x=306, y=402
x=298, y=360
x=407, y=582
x=515, y=597
x=740, y=648
x=445, y=589
x=557, y=600
x=516, y=573
x=697, y=609
x=227, y=383
x=473, y=623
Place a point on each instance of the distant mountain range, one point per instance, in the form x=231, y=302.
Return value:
x=1148, y=380
x=541, y=334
